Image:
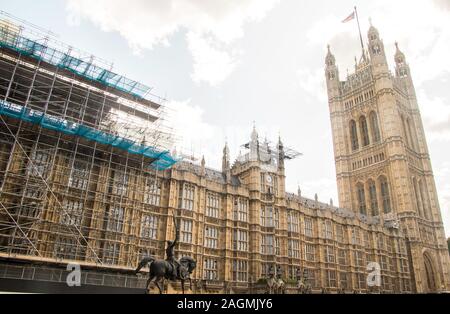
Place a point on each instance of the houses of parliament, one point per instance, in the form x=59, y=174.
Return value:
x=83, y=202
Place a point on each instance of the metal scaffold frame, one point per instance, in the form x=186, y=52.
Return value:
x=79, y=158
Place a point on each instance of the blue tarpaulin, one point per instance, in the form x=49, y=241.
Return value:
x=162, y=159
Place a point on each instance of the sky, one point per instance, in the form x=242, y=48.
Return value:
x=226, y=65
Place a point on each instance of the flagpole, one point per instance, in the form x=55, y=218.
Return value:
x=359, y=28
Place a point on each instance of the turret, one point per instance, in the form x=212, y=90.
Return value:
x=376, y=50
x=332, y=74
x=254, y=145
x=281, y=155
x=226, y=165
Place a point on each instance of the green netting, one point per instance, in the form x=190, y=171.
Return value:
x=162, y=159
x=62, y=60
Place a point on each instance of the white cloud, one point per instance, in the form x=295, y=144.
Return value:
x=313, y=83
x=212, y=63
x=212, y=26
x=188, y=124
x=436, y=116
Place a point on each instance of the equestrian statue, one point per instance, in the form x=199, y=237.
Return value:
x=170, y=268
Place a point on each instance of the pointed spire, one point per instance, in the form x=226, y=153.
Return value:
x=281, y=154
x=330, y=60
x=254, y=144
x=372, y=31
x=299, y=192
x=226, y=159
x=331, y=202
x=399, y=55
x=254, y=135
x=203, y=166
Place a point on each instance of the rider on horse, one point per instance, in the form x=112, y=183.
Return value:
x=170, y=256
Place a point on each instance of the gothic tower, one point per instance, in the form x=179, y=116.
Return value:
x=382, y=161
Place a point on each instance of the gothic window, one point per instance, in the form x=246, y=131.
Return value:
x=211, y=237
x=410, y=132
x=308, y=227
x=376, y=49
x=385, y=195
x=423, y=194
x=354, y=135
x=361, y=199
x=373, y=198
x=186, y=231
x=342, y=257
x=152, y=194
x=241, y=209
x=240, y=240
x=276, y=217
x=310, y=252
x=72, y=214
x=120, y=182
x=212, y=205
x=116, y=219
x=340, y=233
x=210, y=270
x=343, y=280
x=111, y=253
x=66, y=248
x=40, y=163
x=405, y=132
x=149, y=227
x=328, y=230
x=277, y=246
x=240, y=270
x=331, y=76
x=375, y=127
x=267, y=216
x=292, y=218
x=418, y=198
x=187, y=196
x=267, y=244
x=364, y=131
x=331, y=278
x=79, y=176
x=293, y=248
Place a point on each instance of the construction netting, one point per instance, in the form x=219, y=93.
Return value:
x=10, y=38
x=161, y=159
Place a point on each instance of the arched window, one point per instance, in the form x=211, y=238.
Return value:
x=373, y=198
x=376, y=137
x=385, y=195
x=418, y=199
x=354, y=135
x=361, y=199
x=405, y=132
x=424, y=199
x=410, y=132
x=364, y=131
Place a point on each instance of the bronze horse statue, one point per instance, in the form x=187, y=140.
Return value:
x=169, y=269
x=162, y=270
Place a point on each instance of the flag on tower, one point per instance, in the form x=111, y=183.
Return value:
x=349, y=18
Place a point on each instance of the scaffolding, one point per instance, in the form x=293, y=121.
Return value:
x=81, y=153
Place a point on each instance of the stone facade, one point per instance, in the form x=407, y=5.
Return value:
x=382, y=160
x=102, y=207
